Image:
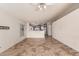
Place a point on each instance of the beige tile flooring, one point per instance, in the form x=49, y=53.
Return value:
x=40, y=47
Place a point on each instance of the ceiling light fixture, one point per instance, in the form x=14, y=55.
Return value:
x=42, y=6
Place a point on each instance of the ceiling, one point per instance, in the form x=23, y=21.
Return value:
x=29, y=13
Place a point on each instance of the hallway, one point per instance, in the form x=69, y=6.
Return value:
x=33, y=47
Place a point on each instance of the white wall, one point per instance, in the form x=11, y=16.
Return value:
x=49, y=29
x=66, y=30
x=10, y=37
